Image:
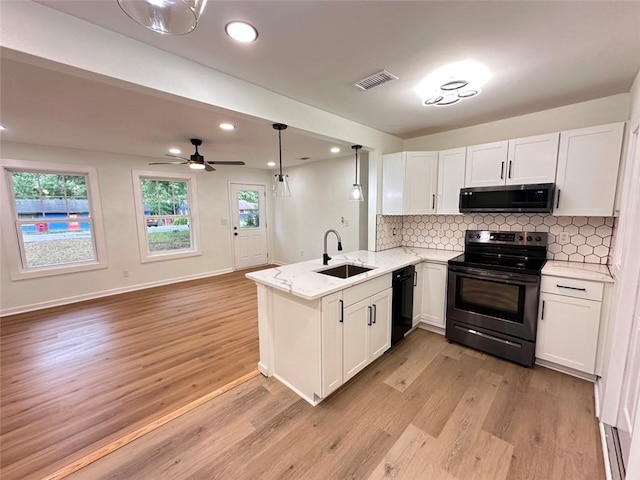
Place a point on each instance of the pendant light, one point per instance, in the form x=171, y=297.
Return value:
x=166, y=17
x=280, y=183
x=356, y=190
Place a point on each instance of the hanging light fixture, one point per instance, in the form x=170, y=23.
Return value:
x=280, y=183
x=167, y=17
x=356, y=190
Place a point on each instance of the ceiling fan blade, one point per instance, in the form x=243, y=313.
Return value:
x=168, y=163
x=208, y=167
x=175, y=156
x=227, y=163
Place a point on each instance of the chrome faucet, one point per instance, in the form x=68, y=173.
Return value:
x=325, y=257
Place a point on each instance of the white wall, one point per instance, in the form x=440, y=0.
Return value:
x=116, y=190
x=319, y=199
x=586, y=114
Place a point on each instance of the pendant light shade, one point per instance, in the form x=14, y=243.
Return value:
x=167, y=17
x=356, y=190
x=280, y=182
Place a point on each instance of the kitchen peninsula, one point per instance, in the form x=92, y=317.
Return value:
x=317, y=331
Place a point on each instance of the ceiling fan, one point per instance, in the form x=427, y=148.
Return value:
x=195, y=161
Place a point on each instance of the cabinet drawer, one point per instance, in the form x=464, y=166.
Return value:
x=570, y=287
x=366, y=289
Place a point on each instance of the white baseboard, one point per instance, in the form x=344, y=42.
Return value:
x=107, y=293
x=567, y=370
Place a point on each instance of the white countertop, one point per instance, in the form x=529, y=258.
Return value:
x=301, y=279
x=582, y=271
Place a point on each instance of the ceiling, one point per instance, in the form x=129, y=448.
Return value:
x=541, y=55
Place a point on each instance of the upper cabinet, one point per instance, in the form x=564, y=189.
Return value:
x=486, y=164
x=513, y=162
x=588, y=163
x=451, y=166
x=409, y=183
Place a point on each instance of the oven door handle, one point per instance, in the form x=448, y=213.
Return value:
x=506, y=277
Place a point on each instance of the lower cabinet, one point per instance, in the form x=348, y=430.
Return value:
x=434, y=293
x=569, y=322
x=366, y=332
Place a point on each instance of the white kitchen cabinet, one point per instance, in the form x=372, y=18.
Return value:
x=588, y=162
x=569, y=323
x=513, y=162
x=417, y=295
x=532, y=159
x=332, y=335
x=486, y=164
x=409, y=183
x=434, y=293
x=451, y=166
x=367, y=332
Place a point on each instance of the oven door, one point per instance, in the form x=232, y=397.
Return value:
x=499, y=301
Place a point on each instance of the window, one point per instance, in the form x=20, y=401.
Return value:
x=55, y=218
x=166, y=215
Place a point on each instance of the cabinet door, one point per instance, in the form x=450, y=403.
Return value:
x=332, y=321
x=486, y=164
x=434, y=293
x=420, y=183
x=568, y=331
x=451, y=164
x=355, y=338
x=417, y=294
x=380, y=330
x=393, y=166
x=588, y=163
x=533, y=159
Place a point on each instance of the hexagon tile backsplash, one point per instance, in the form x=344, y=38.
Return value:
x=589, y=237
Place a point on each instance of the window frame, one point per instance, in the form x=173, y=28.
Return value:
x=146, y=255
x=13, y=237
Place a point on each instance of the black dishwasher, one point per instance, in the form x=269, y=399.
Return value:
x=402, y=304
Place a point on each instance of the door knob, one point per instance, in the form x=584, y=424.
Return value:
x=235, y=228
x=236, y=234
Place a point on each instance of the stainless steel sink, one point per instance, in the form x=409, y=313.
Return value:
x=345, y=271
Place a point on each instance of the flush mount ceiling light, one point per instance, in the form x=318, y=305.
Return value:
x=167, y=17
x=356, y=190
x=453, y=82
x=280, y=182
x=227, y=126
x=241, y=31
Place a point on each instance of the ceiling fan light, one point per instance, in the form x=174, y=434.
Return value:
x=167, y=17
x=196, y=166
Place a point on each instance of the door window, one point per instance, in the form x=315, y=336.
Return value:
x=248, y=208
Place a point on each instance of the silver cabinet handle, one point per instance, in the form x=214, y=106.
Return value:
x=572, y=288
x=509, y=173
x=415, y=279
x=433, y=201
x=375, y=313
x=542, y=316
x=341, y=311
x=370, y=315
x=502, y=171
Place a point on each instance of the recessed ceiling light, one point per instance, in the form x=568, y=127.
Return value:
x=175, y=151
x=271, y=164
x=227, y=126
x=335, y=149
x=2, y=127
x=241, y=31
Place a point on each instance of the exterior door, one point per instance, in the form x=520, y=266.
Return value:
x=249, y=225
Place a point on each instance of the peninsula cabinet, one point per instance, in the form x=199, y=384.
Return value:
x=588, y=163
x=409, y=183
x=513, y=162
x=451, y=165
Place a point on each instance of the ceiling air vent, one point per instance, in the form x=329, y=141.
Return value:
x=374, y=80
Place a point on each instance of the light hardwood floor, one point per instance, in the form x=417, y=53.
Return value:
x=77, y=377
x=426, y=410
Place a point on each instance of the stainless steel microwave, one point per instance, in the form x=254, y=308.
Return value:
x=533, y=198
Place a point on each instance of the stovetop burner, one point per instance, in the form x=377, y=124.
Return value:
x=521, y=252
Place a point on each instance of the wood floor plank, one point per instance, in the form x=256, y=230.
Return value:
x=77, y=377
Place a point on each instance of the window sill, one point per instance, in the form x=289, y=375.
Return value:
x=160, y=257
x=25, y=274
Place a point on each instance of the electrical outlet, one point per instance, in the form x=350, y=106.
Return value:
x=125, y=273
x=563, y=238
x=394, y=232
x=302, y=253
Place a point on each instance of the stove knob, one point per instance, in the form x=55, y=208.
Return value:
x=471, y=235
x=538, y=238
x=528, y=238
x=477, y=235
x=520, y=238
